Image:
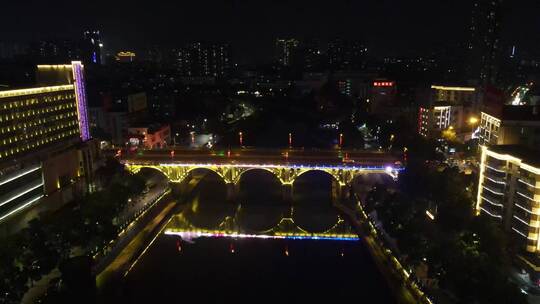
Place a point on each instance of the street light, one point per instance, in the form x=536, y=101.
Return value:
x=340, y=140
x=473, y=120
x=290, y=140
x=241, y=138
x=192, y=137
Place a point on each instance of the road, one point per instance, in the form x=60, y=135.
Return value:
x=139, y=203
x=351, y=158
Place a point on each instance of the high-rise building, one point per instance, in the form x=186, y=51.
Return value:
x=515, y=122
x=509, y=125
x=484, y=43
x=509, y=193
x=93, y=46
x=285, y=50
x=204, y=60
x=36, y=125
x=347, y=55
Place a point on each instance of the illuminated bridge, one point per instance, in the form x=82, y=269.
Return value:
x=286, y=165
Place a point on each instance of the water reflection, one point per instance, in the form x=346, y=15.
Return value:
x=206, y=206
x=312, y=200
x=260, y=203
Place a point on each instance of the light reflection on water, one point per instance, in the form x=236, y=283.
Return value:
x=211, y=262
x=260, y=205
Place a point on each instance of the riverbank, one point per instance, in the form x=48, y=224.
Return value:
x=405, y=290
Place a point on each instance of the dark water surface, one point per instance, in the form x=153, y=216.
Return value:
x=223, y=270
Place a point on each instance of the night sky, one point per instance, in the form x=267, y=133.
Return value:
x=389, y=27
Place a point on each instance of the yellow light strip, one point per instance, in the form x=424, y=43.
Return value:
x=445, y=88
x=481, y=180
x=32, y=91
x=53, y=66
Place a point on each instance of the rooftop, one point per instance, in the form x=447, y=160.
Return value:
x=515, y=113
x=527, y=155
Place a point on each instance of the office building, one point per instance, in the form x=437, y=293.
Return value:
x=204, y=60
x=37, y=124
x=382, y=96
x=509, y=193
x=433, y=120
x=446, y=107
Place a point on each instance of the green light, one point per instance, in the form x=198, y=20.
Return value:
x=221, y=153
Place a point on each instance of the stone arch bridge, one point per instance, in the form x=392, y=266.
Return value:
x=286, y=165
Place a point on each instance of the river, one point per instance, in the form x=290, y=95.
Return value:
x=212, y=269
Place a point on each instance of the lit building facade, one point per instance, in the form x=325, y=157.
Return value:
x=151, y=137
x=446, y=107
x=454, y=95
x=432, y=120
x=509, y=193
x=383, y=96
x=34, y=123
x=204, y=60
x=510, y=125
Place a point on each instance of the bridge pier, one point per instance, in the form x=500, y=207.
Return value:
x=340, y=193
x=287, y=193
x=179, y=190
x=232, y=192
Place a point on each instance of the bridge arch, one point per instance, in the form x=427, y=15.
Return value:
x=240, y=173
x=327, y=172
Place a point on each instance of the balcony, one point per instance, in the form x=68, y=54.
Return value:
x=492, y=199
x=529, y=182
x=496, y=167
x=492, y=211
x=495, y=179
x=496, y=191
x=527, y=206
x=525, y=194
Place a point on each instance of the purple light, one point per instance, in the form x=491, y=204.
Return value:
x=80, y=93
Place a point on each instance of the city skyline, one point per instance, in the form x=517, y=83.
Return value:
x=389, y=28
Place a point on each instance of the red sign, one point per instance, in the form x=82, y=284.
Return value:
x=383, y=84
